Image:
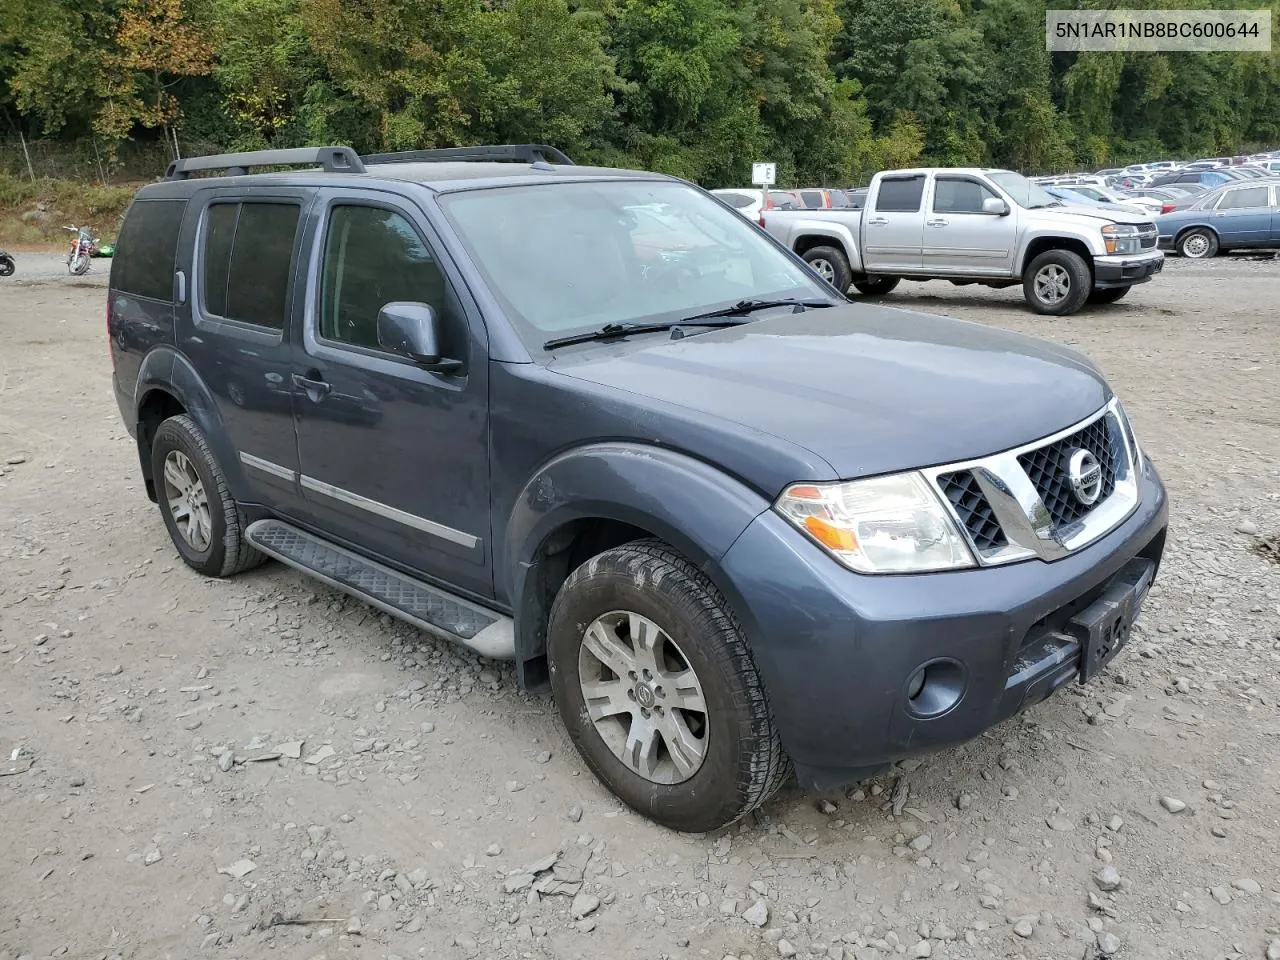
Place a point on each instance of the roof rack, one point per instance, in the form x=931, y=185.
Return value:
x=519, y=152
x=332, y=159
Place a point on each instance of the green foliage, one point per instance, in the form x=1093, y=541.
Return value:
x=831, y=90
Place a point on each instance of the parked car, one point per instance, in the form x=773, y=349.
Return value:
x=1206, y=178
x=1239, y=215
x=1103, y=195
x=971, y=225
x=1069, y=196
x=749, y=201
x=734, y=522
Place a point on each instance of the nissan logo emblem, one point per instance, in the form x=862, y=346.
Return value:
x=1086, y=476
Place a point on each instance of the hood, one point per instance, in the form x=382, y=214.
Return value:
x=870, y=389
x=1107, y=213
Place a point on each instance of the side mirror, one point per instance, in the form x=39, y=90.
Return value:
x=412, y=330
x=995, y=206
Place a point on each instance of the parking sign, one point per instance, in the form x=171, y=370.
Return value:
x=764, y=174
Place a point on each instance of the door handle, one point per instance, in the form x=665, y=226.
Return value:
x=877, y=221
x=936, y=223
x=315, y=388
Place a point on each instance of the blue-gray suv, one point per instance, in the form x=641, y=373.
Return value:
x=593, y=421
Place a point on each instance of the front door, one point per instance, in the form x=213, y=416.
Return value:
x=893, y=226
x=959, y=237
x=394, y=457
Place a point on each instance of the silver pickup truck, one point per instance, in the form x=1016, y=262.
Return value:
x=971, y=225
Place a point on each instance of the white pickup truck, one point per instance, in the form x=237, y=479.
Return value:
x=971, y=225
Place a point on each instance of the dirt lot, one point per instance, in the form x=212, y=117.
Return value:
x=156, y=718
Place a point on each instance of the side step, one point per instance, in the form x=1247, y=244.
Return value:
x=430, y=608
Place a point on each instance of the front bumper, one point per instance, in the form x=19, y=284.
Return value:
x=837, y=650
x=1165, y=242
x=1125, y=270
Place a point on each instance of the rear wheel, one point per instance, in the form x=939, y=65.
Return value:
x=1198, y=244
x=876, y=286
x=657, y=688
x=1057, y=282
x=831, y=265
x=1109, y=295
x=199, y=512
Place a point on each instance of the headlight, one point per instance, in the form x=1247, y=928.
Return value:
x=893, y=524
x=1121, y=238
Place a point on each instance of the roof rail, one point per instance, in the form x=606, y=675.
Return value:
x=332, y=159
x=520, y=152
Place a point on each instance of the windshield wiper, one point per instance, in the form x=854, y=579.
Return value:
x=724, y=317
x=744, y=307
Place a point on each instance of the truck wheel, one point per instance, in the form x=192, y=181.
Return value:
x=1057, y=282
x=876, y=286
x=831, y=265
x=1109, y=295
x=1198, y=244
x=657, y=688
x=202, y=518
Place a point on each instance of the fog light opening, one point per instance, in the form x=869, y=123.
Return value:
x=935, y=687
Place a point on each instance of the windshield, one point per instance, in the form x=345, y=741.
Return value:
x=569, y=258
x=1022, y=191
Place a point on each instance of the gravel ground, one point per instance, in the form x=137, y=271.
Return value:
x=261, y=767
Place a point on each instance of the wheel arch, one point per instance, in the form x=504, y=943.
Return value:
x=1039, y=245
x=1187, y=228
x=594, y=498
x=168, y=385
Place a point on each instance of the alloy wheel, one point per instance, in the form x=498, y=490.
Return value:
x=643, y=697
x=188, y=503
x=1053, y=283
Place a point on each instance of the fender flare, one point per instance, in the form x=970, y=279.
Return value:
x=690, y=504
x=842, y=235
x=167, y=371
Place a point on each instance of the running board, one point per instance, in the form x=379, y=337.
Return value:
x=430, y=608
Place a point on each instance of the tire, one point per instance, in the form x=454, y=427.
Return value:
x=876, y=286
x=7, y=266
x=831, y=265
x=218, y=548
x=1198, y=244
x=1057, y=283
x=740, y=761
x=1109, y=295
x=79, y=265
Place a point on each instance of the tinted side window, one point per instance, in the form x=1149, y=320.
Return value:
x=812, y=199
x=1238, y=199
x=959, y=196
x=248, y=259
x=143, y=263
x=219, y=231
x=900, y=194
x=737, y=200
x=372, y=257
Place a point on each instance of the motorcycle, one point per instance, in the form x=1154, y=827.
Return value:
x=7, y=265
x=82, y=246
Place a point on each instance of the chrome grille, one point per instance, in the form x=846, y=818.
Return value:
x=973, y=510
x=1022, y=503
x=1046, y=467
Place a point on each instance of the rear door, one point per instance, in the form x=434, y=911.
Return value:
x=1243, y=216
x=239, y=336
x=959, y=237
x=893, y=225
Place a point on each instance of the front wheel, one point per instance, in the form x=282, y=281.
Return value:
x=831, y=265
x=1199, y=244
x=1109, y=295
x=876, y=286
x=658, y=690
x=7, y=266
x=1057, y=282
x=78, y=265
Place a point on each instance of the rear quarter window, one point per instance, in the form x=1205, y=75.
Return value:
x=146, y=249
